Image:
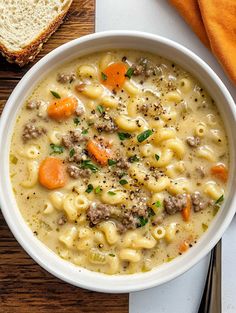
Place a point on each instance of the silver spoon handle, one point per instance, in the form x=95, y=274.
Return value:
x=211, y=298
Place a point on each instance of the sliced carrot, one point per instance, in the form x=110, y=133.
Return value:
x=98, y=151
x=62, y=108
x=186, y=211
x=220, y=171
x=184, y=246
x=114, y=75
x=52, y=173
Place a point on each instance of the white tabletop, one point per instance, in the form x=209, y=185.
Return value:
x=183, y=294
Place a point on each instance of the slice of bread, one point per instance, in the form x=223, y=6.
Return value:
x=26, y=24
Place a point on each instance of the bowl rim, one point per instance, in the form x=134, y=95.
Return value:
x=25, y=243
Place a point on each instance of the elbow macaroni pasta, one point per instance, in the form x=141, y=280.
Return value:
x=173, y=96
x=32, y=179
x=87, y=71
x=212, y=190
x=30, y=152
x=200, y=130
x=92, y=91
x=68, y=237
x=207, y=153
x=131, y=88
x=70, y=207
x=110, y=231
x=185, y=85
x=126, y=123
x=158, y=232
x=130, y=255
x=55, y=137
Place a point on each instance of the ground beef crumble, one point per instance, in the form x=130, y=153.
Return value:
x=198, y=203
x=193, y=142
x=76, y=172
x=33, y=104
x=106, y=124
x=122, y=164
x=98, y=212
x=158, y=219
x=145, y=67
x=30, y=131
x=62, y=220
x=200, y=171
x=66, y=78
x=80, y=110
x=130, y=218
x=174, y=204
x=127, y=219
x=76, y=155
x=72, y=138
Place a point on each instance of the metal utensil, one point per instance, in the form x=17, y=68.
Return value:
x=211, y=298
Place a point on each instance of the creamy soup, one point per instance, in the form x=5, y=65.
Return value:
x=119, y=161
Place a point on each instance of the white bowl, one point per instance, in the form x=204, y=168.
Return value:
x=36, y=249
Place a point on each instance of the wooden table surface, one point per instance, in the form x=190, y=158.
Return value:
x=24, y=286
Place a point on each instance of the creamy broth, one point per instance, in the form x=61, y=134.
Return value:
x=119, y=161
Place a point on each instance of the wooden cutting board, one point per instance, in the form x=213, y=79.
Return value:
x=24, y=286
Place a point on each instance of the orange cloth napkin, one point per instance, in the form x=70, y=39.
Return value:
x=214, y=22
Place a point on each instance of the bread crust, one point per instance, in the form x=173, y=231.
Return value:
x=29, y=53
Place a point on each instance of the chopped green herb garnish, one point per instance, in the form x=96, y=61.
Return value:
x=144, y=135
x=111, y=162
x=89, y=165
x=133, y=159
x=145, y=268
x=85, y=131
x=215, y=209
x=169, y=259
x=217, y=205
x=204, y=227
x=122, y=175
x=90, y=123
x=72, y=152
x=56, y=149
x=157, y=157
x=124, y=136
x=55, y=94
x=142, y=221
x=129, y=72
x=98, y=189
x=76, y=121
x=100, y=109
x=104, y=76
x=13, y=159
x=158, y=204
x=111, y=254
x=151, y=212
x=220, y=199
x=123, y=182
x=111, y=193
x=89, y=188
